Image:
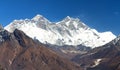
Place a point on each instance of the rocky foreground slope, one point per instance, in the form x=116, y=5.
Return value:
x=19, y=52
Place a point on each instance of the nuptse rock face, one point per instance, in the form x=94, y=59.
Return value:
x=19, y=52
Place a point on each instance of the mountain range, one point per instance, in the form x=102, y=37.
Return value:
x=69, y=31
x=38, y=44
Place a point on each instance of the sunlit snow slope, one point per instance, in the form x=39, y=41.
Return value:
x=69, y=31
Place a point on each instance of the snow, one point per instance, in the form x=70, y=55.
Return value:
x=97, y=62
x=69, y=31
x=71, y=51
x=116, y=40
x=10, y=62
x=37, y=17
x=64, y=51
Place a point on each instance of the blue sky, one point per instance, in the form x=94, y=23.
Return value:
x=103, y=15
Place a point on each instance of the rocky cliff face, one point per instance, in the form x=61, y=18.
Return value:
x=19, y=52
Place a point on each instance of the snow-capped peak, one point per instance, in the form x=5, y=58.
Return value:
x=40, y=18
x=67, y=18
x=69, y=31
x=73, y=23
x=37, y=17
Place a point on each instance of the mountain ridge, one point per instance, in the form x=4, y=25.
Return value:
x=69, y=31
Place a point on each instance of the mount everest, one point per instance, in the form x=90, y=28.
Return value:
x=69, y=31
